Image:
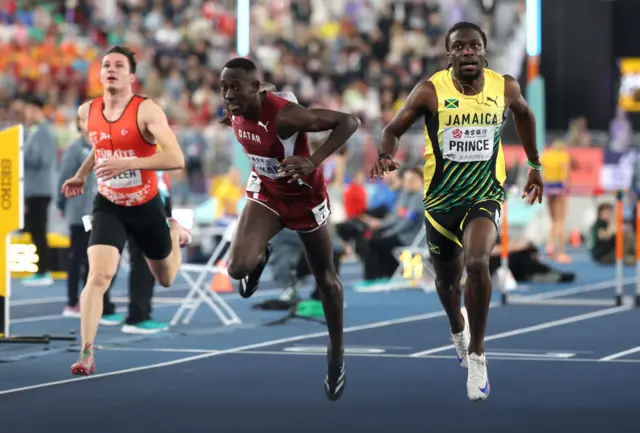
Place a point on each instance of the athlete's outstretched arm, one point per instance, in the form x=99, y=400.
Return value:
x=523, y=118
x=422, y=101
x=525, y=124
x=295, y=118
x=155, y=121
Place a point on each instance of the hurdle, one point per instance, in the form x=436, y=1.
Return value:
x=199, y=288
x=561, y=297
x=414, y=269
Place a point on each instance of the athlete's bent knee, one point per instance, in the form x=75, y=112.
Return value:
x=329, y=282
x=165, y=280
x=447, y=283
x=476, y=265
x=99, y=280
x=448, y=275
x=238, y=269
x=164, y=271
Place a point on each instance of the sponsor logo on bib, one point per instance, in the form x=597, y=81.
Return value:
x=468, y=144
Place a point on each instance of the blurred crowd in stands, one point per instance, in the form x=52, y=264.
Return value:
x=361, y=56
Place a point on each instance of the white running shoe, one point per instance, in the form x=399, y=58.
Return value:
x=478, y=387
x=461, y=341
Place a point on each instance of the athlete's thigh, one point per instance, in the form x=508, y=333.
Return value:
x=443, y=238
x=562, y=203
x=480, y=228
x=552, y=205
x=448, y=271
x=148, y=228
x=107, y=225
x=103, y=263
x=318, y=246
x=256, y=226
x=305, y=213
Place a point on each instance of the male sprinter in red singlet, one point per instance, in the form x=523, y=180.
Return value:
x=124, y=130
x=286, y=189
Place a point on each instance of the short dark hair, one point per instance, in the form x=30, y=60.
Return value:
x=461, y=26
x=241, y=63
x=416, y=169
x=604, y=206
x=34, y=100
x=130, y=55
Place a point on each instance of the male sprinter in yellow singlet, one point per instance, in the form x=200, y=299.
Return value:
x=464, y=108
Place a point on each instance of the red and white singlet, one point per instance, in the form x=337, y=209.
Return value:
x=122, y=139
x=303, y=206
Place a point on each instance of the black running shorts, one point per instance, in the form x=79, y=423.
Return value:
x=445, y=230
x=145, y=224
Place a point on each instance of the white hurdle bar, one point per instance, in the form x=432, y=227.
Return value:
x=199, y=287
x=547, y=299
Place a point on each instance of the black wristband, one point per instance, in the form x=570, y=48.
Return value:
x=383, y=156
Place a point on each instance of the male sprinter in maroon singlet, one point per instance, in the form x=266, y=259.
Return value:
x=286, y=189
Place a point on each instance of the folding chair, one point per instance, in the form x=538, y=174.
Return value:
x=199, y=288
x=414, y=268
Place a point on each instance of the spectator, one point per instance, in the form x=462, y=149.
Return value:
x=73, y=210
x=398, y=228
x=620, y=131
x=355, y=197
x=579, y=135
x=556, y=162
x=141, y=280
x=384, y=196
x=289, y=265
x=526, y=265
x=603, y=238
x=227, y=192
x=39, y=163
x=380, y=203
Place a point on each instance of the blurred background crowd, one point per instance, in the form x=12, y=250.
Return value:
x=359, y=56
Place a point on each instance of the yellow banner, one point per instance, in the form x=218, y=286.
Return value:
x=629, y=84
x=11, y=211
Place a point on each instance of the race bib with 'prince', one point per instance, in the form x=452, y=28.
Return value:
x=468, y=144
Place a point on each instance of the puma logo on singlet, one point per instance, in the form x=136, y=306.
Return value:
x=264, y=125
x=495, y=101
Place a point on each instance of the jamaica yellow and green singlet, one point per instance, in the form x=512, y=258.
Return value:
x=464, y=162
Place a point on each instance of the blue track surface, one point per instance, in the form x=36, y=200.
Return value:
x=545, y=366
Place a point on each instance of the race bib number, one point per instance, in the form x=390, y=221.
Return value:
x=468, y=144
x=254, y=183
x=321, y=212
x=264, y=166
x=128, y=179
